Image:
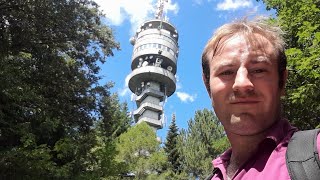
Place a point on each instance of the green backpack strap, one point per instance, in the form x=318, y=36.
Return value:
x=302, y=156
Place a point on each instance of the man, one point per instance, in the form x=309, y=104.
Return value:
x=244, y=71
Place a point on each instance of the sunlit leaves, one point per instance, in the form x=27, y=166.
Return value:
x=301, y=22
x=139, y=149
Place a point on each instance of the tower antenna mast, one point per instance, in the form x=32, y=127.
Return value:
x=160, y=9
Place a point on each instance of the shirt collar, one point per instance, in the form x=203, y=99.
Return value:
x=275, y=133
x=279, y=130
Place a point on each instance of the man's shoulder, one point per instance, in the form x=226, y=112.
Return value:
x=302, y=156
x=318, y=144
x=308, y=140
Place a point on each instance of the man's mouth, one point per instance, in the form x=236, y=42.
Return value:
x=244, y=101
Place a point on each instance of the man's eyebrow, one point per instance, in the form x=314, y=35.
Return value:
x=261, y=59
x=224, y=64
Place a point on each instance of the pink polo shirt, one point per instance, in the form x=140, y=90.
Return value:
x=269, y=160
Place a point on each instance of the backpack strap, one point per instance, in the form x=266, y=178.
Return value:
x=302, y=156
x=213, y=172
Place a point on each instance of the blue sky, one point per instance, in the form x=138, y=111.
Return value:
x=195, y=21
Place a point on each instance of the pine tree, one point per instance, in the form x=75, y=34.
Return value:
x=171, y=146
x=200, y=143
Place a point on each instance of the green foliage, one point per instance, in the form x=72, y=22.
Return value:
x=50, y=98
x=114, y=118
x=103, y=163
x=171, y=148
x=158, y=161
x=140, y=150
x=200, y=143
x=114, y=121
x=301, y=22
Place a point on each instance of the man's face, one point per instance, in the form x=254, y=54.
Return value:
x=244, y=85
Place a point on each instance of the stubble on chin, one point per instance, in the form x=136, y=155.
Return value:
x=244, y=124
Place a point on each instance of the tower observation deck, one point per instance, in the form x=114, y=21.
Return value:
x=153, y=65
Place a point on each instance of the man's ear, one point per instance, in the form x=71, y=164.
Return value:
x=206, y=83
x=284, y=80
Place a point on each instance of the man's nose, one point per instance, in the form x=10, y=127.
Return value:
x=242, y=81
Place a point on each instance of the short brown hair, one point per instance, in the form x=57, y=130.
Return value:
x=260, y=26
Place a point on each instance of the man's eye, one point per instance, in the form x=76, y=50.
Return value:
x=226, y=73
x=256, y=71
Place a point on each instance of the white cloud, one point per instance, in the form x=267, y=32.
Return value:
x=179, y=86
x=126, y=81
x=234, y=4
x=136, y=11
x=198, y=2
x=125, y=90
x=185, y=97
x=254, y=10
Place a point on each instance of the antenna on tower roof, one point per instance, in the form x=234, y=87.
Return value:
x=160, y=7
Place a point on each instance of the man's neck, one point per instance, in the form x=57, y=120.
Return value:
x=240, y=151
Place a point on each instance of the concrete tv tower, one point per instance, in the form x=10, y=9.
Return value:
x=154, y=65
